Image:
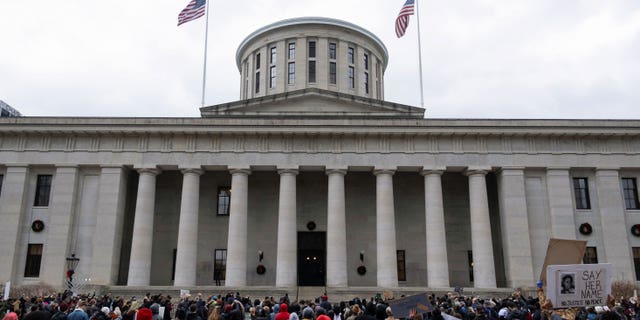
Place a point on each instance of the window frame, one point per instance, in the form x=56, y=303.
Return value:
x=401, y=260
x=333, y=73
x=590, y=255
x=636, y=260
x=311, y=71
x=42, y=195
x=272, y=77
x=311, y=49
x=291, y=51
x=581, y=195
x=291, y=73
x=272, y=55
x=33, y=260
x=333, y=50
x=351, y=80
x=222, y=261
x=227, y=206
x=351, y=55
x=630, y=193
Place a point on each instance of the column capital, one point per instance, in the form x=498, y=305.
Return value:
x=340, y=171
x=432, y=170
x=607, y=169
x=470, y=171
x=292, y=171
x=151, y=171
x=383, y=171
x=196, y=171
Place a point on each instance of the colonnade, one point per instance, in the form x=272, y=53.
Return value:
x=336, y=267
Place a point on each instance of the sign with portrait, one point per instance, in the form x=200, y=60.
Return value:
x=401, y=308
x=578, y=285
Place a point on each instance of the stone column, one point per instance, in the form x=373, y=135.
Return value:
x=385, y=230
x=437, y=263
x=484, y=270
x=614, y=226
x=563, y=225
x=187, y=251
x=142, y=242
x=61, y=212
x=12, y=207
x=109, y=221
x=336, y=230
x=286, y=261
x=237, y=241
x=515, y=227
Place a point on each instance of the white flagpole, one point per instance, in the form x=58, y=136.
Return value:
x=206, y=37
x=419, y=55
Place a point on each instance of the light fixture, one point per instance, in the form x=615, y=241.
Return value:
x=362, y=256
x=260, y=255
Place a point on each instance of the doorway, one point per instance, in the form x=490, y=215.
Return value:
x=312, y=255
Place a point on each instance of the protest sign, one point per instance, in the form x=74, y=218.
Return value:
x=561, y=251
x=184, y=293
x=7, y=289
x=578, y=285
x=402, y=307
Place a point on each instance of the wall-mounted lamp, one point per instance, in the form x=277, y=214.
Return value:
x=260, y=255
x=362, y=256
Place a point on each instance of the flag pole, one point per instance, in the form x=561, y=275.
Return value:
x=206, y=37
x=419, y=55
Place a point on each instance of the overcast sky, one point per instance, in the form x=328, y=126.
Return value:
x=481, y=58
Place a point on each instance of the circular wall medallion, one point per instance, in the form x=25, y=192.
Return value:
x=311, y=225
x=362, y=270
x=37, y=226
x=585, y=229
x=635, y=230
x=261, y=269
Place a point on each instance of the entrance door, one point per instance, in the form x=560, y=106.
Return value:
x=311, y=258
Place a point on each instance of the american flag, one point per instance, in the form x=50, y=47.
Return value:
x=194, y=10
x=402, y=21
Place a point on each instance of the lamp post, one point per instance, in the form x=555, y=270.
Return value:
x=72, y=263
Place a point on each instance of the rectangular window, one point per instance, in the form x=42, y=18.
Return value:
x=332, y=51
x=470, y=258
x=312, y=71
x=220, y=264
x=43, y=189
x=292, y=51
x=272, y=56
x=402, y=271
x=636, y=261
x=590, y=256
x=350, y=55
x=630, y=190
x=581, y=193
x=34, y=257
x=173, y=269
x=366, y=61
x=352, y=80
x=366, y=82
x=224, y=200
x=1, y=180
x=257, y=61
x=312, y=49
x=272, y=77
x=332, y=73
x=292, y=73
x=257, y=82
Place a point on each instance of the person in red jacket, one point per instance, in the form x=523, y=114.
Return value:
x=283, y=314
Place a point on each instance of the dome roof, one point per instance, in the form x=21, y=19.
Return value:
x=311, y=20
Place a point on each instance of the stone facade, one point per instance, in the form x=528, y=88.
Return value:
x=137, y=199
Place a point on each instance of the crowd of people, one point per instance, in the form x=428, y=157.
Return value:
x=233, y=306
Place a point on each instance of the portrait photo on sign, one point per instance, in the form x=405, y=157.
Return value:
x=567, y=283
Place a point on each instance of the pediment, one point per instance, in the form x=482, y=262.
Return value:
x=312, y=103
